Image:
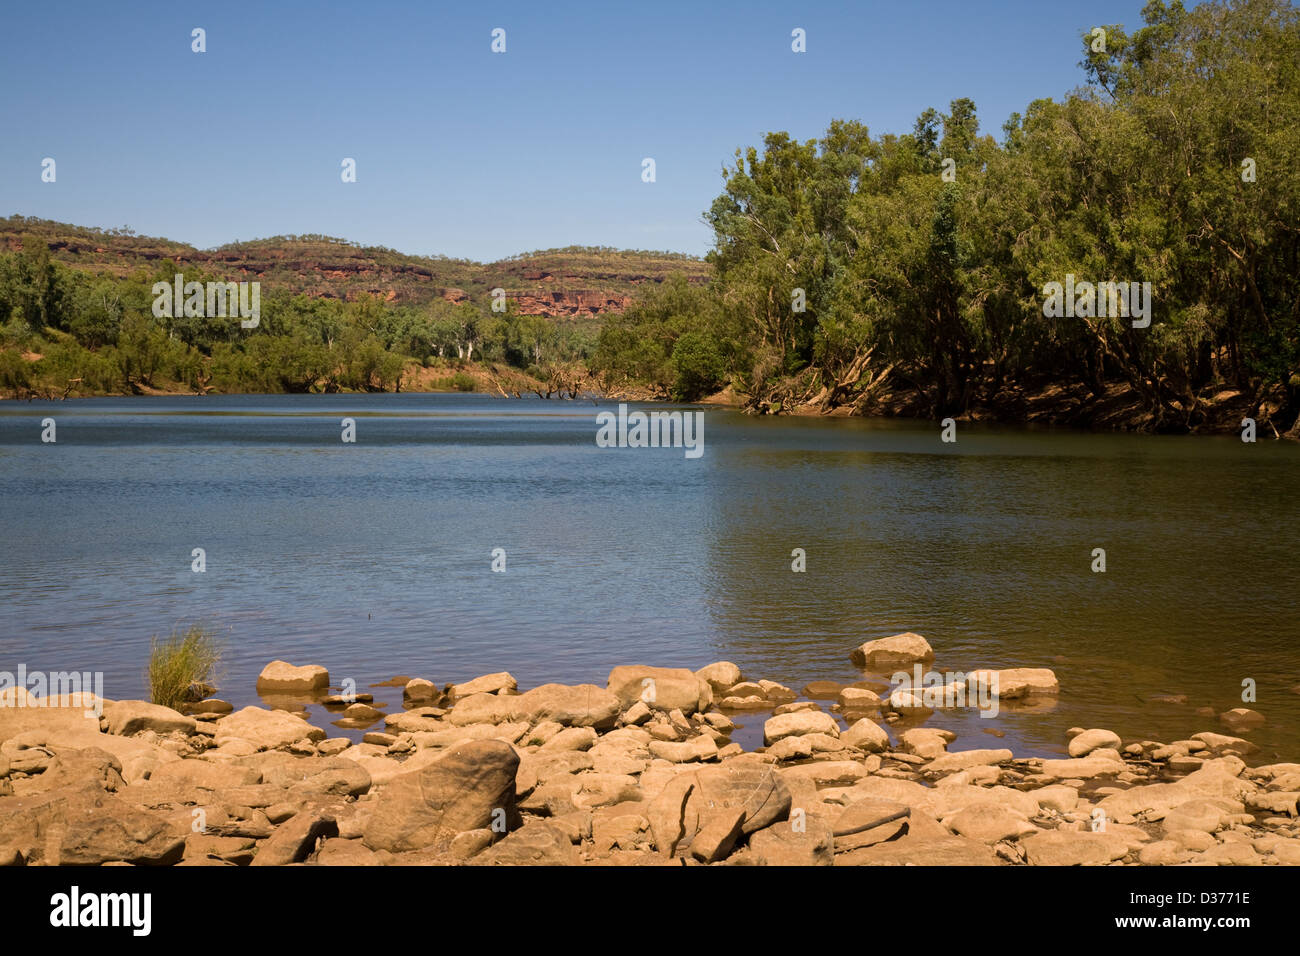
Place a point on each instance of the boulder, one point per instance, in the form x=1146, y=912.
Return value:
x=127, y=717
x=468, y=788
x=420, y=691
x=719, y=830
x=965, y=759
x=581, y=705
x=205, y=775
x=866, y=734
x=1242, y=718
x=265, y=729
x=1099, y=763
x=1088, y=741
x=280, y=677
x=499, y=683
x=537, y=844
x=294, y=841
x=660, y=688
x=799, y=723
x=859, y=698
x=904, y=648
x=756, y=789
x=782, y=845
x=924, y=742
x=989, y=824
x=107, y=830
x=1073, y=848
x=720, y=676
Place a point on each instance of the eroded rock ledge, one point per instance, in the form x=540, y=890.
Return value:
x=639, y=771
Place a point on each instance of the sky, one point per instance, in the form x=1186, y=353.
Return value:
x=468, y=153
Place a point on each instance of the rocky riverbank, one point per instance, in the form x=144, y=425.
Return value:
x=640, y=771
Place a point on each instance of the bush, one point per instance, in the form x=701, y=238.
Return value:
x=699, y=367
x=181, y=667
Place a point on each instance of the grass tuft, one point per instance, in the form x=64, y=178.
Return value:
x=181, y=667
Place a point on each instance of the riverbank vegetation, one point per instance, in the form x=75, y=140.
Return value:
x=72, y=332
x=856, y=272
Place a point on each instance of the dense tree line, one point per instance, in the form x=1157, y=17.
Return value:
x=97, y=334
x=920, y=260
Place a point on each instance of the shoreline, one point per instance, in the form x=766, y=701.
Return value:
x=1051, y=407
x=640, y=771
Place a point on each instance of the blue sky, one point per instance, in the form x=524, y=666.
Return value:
x=464, y=152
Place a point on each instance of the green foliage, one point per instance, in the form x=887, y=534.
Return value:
x=180, y=665
x=938, y=279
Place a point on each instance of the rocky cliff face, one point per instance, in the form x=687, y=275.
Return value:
x=560, y=283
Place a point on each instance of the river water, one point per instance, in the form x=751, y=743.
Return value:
x=374, y=558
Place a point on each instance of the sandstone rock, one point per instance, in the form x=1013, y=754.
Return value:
x=1072, y=848
x=964, y=759
x=720, y=676
x=1242, y=718
x=349, y=852
x=802, y=722
x=859, y=698
x=660, y=688
x=924, y=742
x=582, y=705
x=776, y=692
x=1090, y=740
x=537, y=844
x=904, y=648
x=719, y=830
x=420, y=691
x=755, y=789
x=638, y=713
x=1202, y=815
x=499, y=683
x=782, y=845
x=666, y=814
x=571, y=738
x=611, y=829
x=989, y=824
x=1056, y=797
x=591, y=790
x=748, y=702
x=205, y=775
x=697, y=748
x=1163, y=853
x=866, y=734
x=127, y=717
x=1102, y=762
x=1231, y=854
x=795, y=707
x=283, y=677
x=236, y=850
x=265, y=729
x=294, y=841
x=827, y=773
x=460, y=791
x=823, y=690
x=465, y=846
x=107, y=830
x=1222, y=744
x=362, y=713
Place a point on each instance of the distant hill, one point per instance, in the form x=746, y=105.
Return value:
x=570, y=282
